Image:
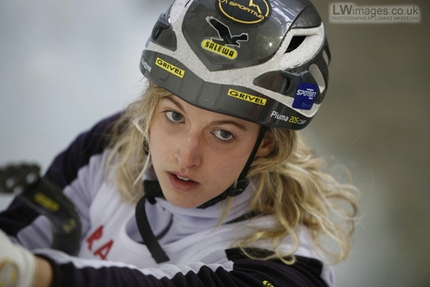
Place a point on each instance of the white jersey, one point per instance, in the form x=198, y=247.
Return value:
x=200, y=250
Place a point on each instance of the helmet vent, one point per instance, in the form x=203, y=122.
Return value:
x=275, y=81
x=296, y=41
x=163, y=34
x=318, y=76
x=326, y=57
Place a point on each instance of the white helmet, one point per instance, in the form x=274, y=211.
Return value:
x=265, y=61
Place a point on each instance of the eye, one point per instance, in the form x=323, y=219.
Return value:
x=223, y=135
x=174, y=117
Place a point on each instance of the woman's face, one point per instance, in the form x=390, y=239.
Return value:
x=198, y=154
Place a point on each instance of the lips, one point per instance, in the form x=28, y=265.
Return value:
x=181, y=182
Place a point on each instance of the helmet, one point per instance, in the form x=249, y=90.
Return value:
x=265, y=61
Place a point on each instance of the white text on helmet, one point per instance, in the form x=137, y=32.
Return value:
x=146, y=66
x=310, y=93
x=292, y=119
x=278, y=116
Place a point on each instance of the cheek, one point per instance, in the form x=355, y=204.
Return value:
x=226, y=167
x=158, y=144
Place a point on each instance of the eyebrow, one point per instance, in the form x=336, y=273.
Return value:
x=177, y=104
x=229, y=122
x=220, y=122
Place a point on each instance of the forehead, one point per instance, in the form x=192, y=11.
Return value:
x=201, y=114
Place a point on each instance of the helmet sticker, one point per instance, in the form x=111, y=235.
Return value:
x=225, y=38
x=305, y=96
x=246, y=97
x=244, y=11
x=231, y=57
x=224, y=34
x=145, y=65
x=295, y=120
x=170, y=68
x=221, y=50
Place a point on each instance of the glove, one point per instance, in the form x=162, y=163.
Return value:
x=17, y=264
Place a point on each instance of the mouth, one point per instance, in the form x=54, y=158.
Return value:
x=183, y=178
x=181, y=182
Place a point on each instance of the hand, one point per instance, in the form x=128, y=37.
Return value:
x=17, y=264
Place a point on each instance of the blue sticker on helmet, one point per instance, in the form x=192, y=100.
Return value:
x=305, y=96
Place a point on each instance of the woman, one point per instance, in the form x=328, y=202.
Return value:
x=204, y=181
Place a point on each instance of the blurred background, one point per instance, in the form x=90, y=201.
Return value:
x=66, y=64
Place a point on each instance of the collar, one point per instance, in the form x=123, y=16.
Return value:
x=187, y=221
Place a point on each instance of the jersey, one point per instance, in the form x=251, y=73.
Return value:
x=200, y=250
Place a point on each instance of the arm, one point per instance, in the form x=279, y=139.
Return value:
x=43, y=276
x=76, y=172
x=20, y=268
x=237, y=271
x=54, y=268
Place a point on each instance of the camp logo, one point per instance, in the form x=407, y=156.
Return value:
x=170, y=68
x=246, y=97
x=244, y=11
x=220, y=44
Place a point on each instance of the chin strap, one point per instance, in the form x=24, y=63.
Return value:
x=239, y=186
x=153, y=190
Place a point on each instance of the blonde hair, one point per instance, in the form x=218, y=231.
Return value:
x=293, y=187
x=291, y=184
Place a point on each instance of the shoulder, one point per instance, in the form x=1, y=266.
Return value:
x=64, y=168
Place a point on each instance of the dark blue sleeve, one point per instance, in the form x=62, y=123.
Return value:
x=62, y=171
x=245, y=272
x=65, y=167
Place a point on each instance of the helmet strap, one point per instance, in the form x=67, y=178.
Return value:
x=242, y=182
x=153, y=190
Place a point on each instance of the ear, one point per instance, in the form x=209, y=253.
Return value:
x=266, y=146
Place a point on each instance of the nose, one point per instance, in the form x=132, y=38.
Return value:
x=188, y=151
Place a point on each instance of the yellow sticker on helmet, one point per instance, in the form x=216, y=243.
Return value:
x=246, y=97
x=221, y=50
x=170, y=68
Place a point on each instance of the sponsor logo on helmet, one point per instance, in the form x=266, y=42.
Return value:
x=245, y=11
x=289, y=119
x=146, y=66
x=305, y=96
x=224, y=34
x=219, y=49
x=170, y=68
x=278, y=116
x=225, y=39
x=246, y=97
